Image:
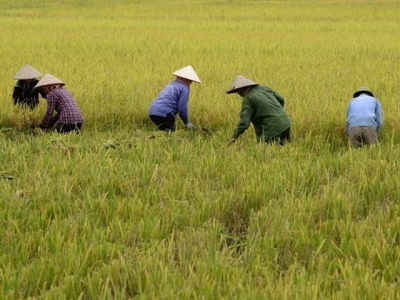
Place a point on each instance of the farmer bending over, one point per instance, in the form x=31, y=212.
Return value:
x=364, y=118
x=173, y=100
x=68, y=117
x=264, y=108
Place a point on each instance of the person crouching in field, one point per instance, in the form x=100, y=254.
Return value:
x=264, y=108
x=24, y=93
x=364, y=118
x=173, y=100
x=68, y=116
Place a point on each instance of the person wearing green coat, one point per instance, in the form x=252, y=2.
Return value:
x=262, y=107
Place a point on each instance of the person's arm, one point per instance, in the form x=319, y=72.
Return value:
x=245, y=118
x=183, y=102
x=53, y=120
x=379, y=115
x=48, y=119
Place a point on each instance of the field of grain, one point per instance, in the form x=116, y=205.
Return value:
x=122, y=211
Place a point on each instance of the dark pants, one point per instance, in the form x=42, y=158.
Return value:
x=65, y=128
x=164, y=123
x=281, y=138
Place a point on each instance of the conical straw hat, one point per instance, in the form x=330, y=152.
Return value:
x=27, y=72
x=240, y=82
x=363, y=90
x=188, y=73
x=48, y=79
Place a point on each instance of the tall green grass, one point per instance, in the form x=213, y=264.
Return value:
x=122, y=211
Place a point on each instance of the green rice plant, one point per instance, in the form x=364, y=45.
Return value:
x=123, y=211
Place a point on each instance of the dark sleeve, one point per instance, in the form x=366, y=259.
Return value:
x=245, y=118
x=183, y=102
x=48, y=119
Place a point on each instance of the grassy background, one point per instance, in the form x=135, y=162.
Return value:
x=122, y=211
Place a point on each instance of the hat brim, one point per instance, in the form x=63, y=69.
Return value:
x=27, y=77
x=42, y=86
x=27, y=72
x=235, y=90
x=187, y=73
x=358, y=93
x=190, y=79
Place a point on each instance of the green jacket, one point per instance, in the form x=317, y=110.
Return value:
x=264, y=108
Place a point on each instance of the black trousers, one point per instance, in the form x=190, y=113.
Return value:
x=65, y=128
x=281, y=138
x=164, y=123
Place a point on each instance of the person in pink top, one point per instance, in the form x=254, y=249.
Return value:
x=60, y=101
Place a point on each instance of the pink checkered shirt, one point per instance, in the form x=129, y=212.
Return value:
x=61, y=101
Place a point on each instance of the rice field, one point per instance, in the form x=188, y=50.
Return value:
x=122, y=211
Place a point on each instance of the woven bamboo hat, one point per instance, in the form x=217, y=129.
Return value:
x=48, y=79
x=187, y=73
x=240, y=82
x=363, y=90
x=27, y=72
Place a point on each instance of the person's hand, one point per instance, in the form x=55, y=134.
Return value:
x=189, y=126
x=232, y=141
x=37, y=131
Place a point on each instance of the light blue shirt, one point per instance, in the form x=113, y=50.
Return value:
x=173, y=99
x=364, y=110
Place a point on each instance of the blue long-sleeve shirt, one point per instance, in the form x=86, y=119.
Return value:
x=173, y=99
x=364, y=110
